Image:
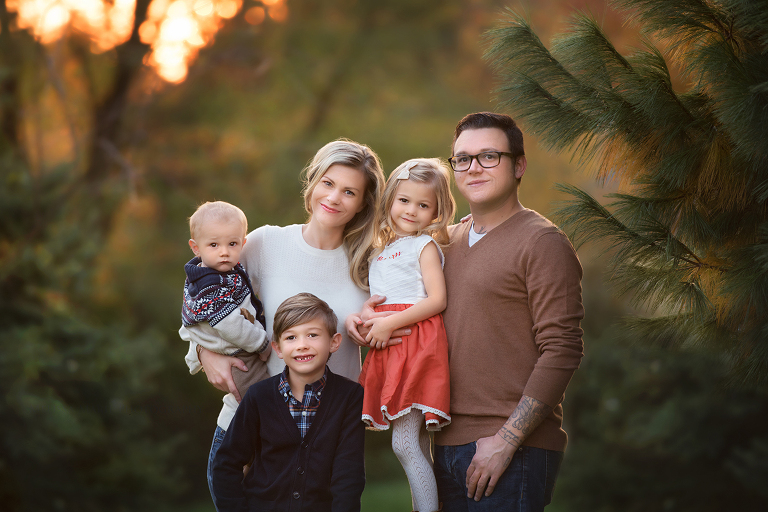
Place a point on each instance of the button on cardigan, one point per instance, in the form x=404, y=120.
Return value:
x=323, y=472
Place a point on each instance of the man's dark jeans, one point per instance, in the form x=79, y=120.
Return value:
x=525, y=486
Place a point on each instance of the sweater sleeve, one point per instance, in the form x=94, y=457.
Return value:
x=238, y=331
x=193, y=363
x=553, y=280
x=234, y=332
x=348, y=473
x=236, y=450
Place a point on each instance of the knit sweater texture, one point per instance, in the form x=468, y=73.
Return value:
x=220, y=312
x=324, y=471
x=513, y=324
x=281, y=264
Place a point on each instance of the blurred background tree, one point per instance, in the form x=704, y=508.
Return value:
x=681, y=124
x=118, y=117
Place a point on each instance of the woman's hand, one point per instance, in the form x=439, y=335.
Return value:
x=351, y=324
x=357, y=331
x=264, y=356
x=218, y=369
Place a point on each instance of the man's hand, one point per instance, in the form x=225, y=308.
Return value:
x=494, y=453
x=218, y=369
x=491, y=459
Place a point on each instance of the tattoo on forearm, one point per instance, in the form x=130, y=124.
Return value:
x=509, y=437
x=528, y=414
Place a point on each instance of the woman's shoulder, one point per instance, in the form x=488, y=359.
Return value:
x=262, y=242
x=267, y=233
x=270, y=229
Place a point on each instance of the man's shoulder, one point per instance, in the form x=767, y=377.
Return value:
x=530, y=225
x=456, y=231
x=534, y=220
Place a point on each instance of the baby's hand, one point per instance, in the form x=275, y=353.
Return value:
x=264, y=356
x=380, y=332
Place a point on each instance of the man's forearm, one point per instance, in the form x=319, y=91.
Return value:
x=528, y=415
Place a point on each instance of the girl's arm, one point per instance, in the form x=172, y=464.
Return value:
x=434, y=284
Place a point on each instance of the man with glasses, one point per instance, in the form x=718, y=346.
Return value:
x=514, y=336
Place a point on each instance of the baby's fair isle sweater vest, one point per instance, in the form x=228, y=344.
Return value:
x=513, y=324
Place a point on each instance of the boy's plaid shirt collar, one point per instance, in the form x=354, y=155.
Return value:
x=303, y=412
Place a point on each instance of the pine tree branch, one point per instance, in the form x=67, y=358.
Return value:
x=685, y=234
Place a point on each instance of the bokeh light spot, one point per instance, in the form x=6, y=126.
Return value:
x=255, y=15
x=174, y=29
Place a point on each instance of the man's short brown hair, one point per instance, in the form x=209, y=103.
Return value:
x=503, y=122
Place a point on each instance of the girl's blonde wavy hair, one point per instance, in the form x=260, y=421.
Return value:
x=431, y=171
x=360, y=232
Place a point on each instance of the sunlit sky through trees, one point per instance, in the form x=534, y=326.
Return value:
x=175, y=29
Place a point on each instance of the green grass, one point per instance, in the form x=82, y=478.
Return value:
x=392, y=496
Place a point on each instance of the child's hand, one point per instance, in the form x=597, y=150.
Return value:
x=379, y=334
x=265, y=354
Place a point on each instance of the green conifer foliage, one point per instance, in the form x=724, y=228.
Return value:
x=688, y=234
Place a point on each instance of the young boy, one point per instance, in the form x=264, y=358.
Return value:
x=301, y=429
x=220, y=312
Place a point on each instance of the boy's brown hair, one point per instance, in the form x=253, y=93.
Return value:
x=300, y=309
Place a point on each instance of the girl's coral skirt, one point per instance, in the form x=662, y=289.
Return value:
x=411, y=375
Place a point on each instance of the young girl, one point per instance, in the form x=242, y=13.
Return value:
x=407, y=384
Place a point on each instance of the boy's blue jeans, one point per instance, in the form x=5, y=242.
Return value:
x=525, y=486
x=218, y=437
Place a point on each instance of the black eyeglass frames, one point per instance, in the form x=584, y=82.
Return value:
x=486, y=159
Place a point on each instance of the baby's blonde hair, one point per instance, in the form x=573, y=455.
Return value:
x=434, y=172
x=216, y=211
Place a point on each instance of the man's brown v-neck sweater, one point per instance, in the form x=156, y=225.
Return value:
x=513, y=324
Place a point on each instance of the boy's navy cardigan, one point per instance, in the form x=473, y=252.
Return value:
x=323, y=471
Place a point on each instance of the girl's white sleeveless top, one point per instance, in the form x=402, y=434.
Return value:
x=396, y=273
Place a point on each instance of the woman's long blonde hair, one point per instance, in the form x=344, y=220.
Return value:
x=431, y=171
x=360, y=232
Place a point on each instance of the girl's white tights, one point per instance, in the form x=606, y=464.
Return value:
x=410, y=441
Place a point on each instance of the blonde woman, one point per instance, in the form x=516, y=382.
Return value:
x=326, y=256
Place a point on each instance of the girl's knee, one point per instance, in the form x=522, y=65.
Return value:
x=406, y=447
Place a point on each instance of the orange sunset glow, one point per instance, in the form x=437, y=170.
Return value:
x=174, y=29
